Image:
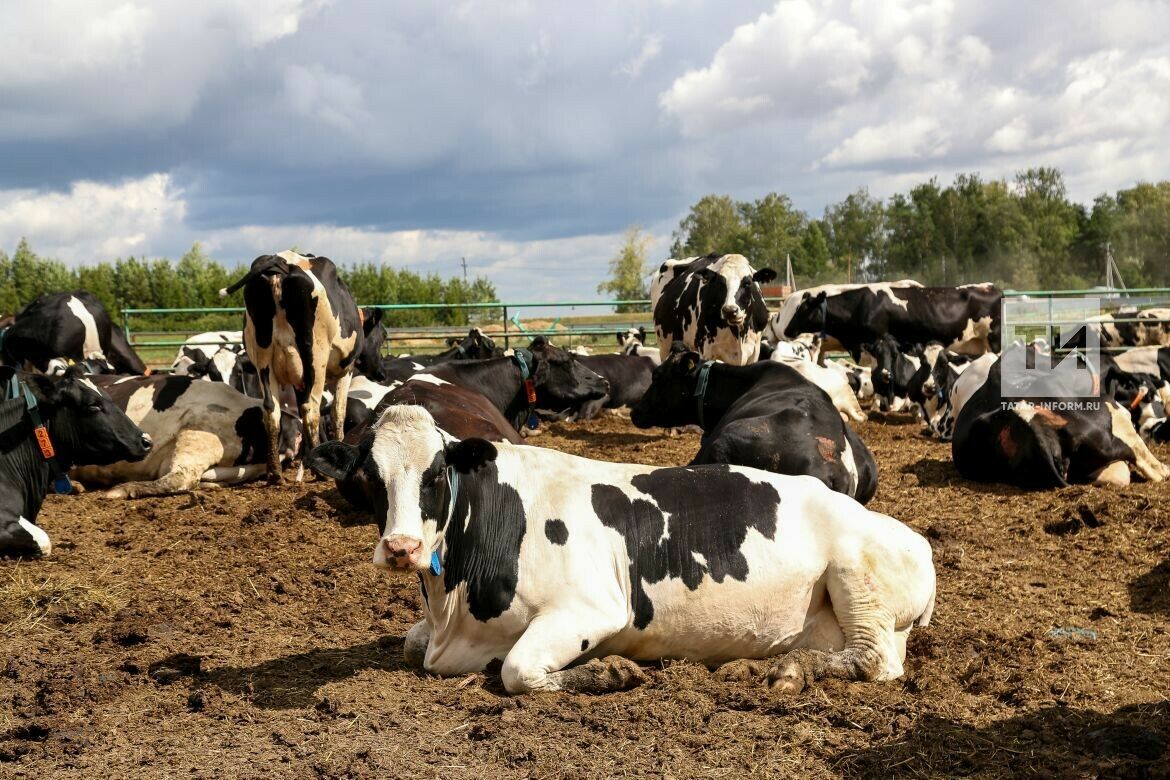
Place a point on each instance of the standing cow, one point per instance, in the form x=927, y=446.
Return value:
x=713, y=305
x=546, y=560
x=70, y=325
x=301, y=329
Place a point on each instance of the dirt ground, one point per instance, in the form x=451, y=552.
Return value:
x=244, y=633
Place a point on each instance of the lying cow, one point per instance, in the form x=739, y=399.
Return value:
x=474, y=346
x=71, y=325
x=619, y=562
x=302, y=330
x=205, y=434
x=964, y=319
x=833, y=381
x=633, y=342
x=627, y=376
x=84, y=427
x=765, y=415
x=1021, y=438
x=212, y=356
x=711, y=304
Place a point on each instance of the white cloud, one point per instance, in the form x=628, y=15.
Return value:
x=93, y=222
x=651, y=48
x=919, y=137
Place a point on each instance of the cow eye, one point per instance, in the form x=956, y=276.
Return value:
x=93, y=408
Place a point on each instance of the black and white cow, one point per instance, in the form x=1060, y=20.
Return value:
x=474, y=346
x=834, y=380
x=369, y=360
x=205, y=434
x=778, y=329
x=548, y=560
x=633, y=342
x=1025, y=439
x=711, y=304
x=84, y=427
x=301, y=330
x=933, y=383
x=765, y=415
x=71, y=325
x=965, y=319
x=1131, y=327
x=212, y=356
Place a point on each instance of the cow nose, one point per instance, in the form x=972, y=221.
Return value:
x=731, y=311
x=147, y=442
x=402, y=551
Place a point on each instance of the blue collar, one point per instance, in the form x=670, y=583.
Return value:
x=17, y=389
x=701, y=387
x=524, y=360
x=453, y=489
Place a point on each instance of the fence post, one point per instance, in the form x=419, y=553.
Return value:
x=126, y=325
x=506, y=345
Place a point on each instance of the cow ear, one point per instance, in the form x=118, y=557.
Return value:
x=764, y=275
x=820, y=297
x=641, y=334
x=691, y=362
x=621, y=338
x=707, y=274
x=470, y=454
x=334, y=459
x=540, y=342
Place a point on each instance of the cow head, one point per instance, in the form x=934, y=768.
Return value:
x=629, y=339
x=893, y=369
x=809, y=317
x=409, y=465
x=733, y=286
x=560, y=377
x=670, y=400
x=95, y=365
x=87, y=428
x=369, y=361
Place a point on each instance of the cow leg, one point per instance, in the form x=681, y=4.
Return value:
x=418, y=638
x=1115, y=474
x=340, y=403
x=872, y=649
x=271, y=389
x=1145, y=463
x=231, y=475
x=193, y=453
x=551, y=642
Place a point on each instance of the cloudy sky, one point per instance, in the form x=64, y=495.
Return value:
x=525, y=136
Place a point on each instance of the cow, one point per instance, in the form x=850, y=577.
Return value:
x=933, y=382
x=892, y=372
x=81, y=426
x=833, y=381
x=70, y=325
x=212, y=356
x=633, y=342
x=369, y=359
x=711, y=304
x=964, y=319
x=301, y=329
x=1144, y=328
x=777, y=329
x=859, y=378
x=627, y=376
x=205, y=434
x=765, y=415
x=547, y=560
x=1021, y=438
x=474, y=346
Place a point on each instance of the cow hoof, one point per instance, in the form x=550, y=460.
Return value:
x=77, y=487
x=117, y=493
x=787, y=677
x=621, y=673
x=274, y=478
x=743, y=670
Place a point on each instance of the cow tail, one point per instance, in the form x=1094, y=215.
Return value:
x=1051, y=454
x=262, y=266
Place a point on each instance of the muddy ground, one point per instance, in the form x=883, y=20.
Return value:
x=244, y=633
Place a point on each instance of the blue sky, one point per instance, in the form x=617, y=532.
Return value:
x=526, y=136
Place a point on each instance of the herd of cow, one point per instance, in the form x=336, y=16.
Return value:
x=568, y=569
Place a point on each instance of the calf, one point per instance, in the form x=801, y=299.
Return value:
x=711, y=304
x=301, y=329
x=619, y=562
x=765, y=415
x=1019, y=440
x=81, y=425
x=71, y=325
x=965, y=319
x=204, y=433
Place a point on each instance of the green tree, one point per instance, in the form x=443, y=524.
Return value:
x=855, y=233
x=772, y=231
x=714, y=224
x=628, y=271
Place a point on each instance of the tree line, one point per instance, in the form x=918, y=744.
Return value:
x=1024, y=233
x=195, y=279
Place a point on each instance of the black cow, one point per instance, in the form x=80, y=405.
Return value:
x=301, y=329
x=71, y=325
x=369, y=360
x=84, y=427
x=965, y=319
x=711, y=304
x=765, y=415
x=1023, y=438
x=893, y=371
x=474, y=346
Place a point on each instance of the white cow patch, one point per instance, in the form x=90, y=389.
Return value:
x=429, y=379
x=39, y=536
x=1140, y=360
x=92, y=346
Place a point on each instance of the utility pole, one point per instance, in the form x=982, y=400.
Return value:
x=463, y=260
